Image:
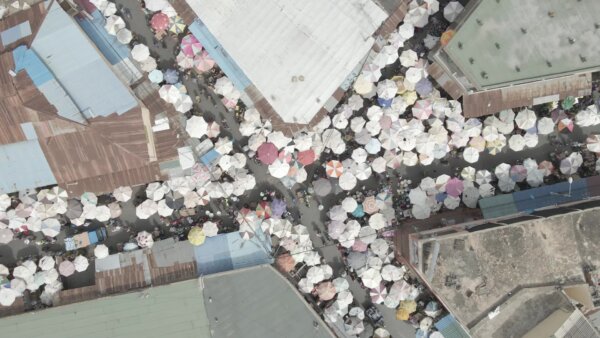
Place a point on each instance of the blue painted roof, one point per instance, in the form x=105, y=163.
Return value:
x=26, y=59
x=450, y=328
x=229, y=251
x=109, y=46
x=218, y=53
x=23, y=166
x=15, y=33
x=79, y=68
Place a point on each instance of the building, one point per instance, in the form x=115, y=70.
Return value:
x=511, y=53
x=251, y=302
x=292, y=60
x=74, y=109
x=518, y=277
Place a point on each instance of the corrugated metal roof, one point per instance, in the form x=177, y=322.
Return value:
x=73, y=67
x=297, y=53
x=175, y=310
x=259, y=302
x=23, y=166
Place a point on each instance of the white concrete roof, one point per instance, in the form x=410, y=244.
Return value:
x=276, y=42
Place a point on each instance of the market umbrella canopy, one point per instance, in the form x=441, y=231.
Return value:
x=326, y=291
x=46, y=263
x=347, y=181
x=526, y=119
x=81, y=263
x=140, y=52
x=545, y=126
x=190, y=46
x=470, y=196
x=267, y=153
x=51, y=227
x=113, y=24
x=6, y=235
x=101, y=251
x=146, y=209
x=124, y=36
x=391, y=273
x=7, y=296
x=122, y=194
x=334, y=168
x=452, y=10
x=66, y=268
x=570, y=165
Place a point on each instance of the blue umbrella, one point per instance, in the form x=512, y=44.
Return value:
x=384, y=103
x=424, y=87
x=278, y=207
x=358, y=212
x=440, y=197
x=171, y=76
x=156, y=76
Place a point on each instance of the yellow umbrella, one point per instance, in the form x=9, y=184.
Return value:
x=196, y=236
x=405, y=309
x=362, y=85
x=410, y=97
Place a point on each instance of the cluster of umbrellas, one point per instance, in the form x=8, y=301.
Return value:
x=192, y=55
x=176, y=94
x=165, y=18
x=31, y=276
x=230, y=95
x=114, y=24
x=198, y=188
x=38, y=212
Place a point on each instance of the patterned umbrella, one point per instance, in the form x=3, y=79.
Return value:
x=203, y=62
x=190, y=46
x=263, y=210
x=334, y=168
x=177, y=25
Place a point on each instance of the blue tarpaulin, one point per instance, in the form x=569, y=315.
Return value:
x=26, y=59
x=229, y=251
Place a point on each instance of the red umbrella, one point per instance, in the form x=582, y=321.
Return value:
x=267, y=153
x=159, y=22
x=306, y=157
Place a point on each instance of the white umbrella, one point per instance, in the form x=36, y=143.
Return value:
x=516, y=142
x=391, y=273
x=506, y=184
x=124, y=36
x=531, y=139
x=101, y=251
x=341, y=284
x=210, y=229
x=371, y=278
x=471, y=155
x=102, y=213
x=113, y=24
x=122, y=194
x=451, y=202
x=148, y=65
x=379, y=247
x=140, y=52
x=163, y=209
x=526, y=119
x=470, y=196
x=468, y=173
x=571, y=164
x=486, y=190
x=452, y=10
x=377, y=221
x=535, y=177
x=347, y=181
x=46, y=263
x=406, y=30
x=81, y=263
x=387, y=89
x=588, y=117
x=367, y=234
x=408, y=58
x=371, y=72
x=545, y=126
x=146, y=209
x=279, y=168
x=50, y=227
x=6, y=235
x=420, y=211
x=223, y=86
x=305, y=285
x=144, y=239
x=315, y=274
x=349, y=204
x=502, y=171
x=7, y=296
x=379, y=165
x=483, y=176
x=359, y=155
x=413, y=75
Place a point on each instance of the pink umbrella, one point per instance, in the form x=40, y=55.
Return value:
x=306, y=157
x=454, y=187
x=229, y=103
x=267, y=153
x=203, y=62
x=422, y=109
x=66, y=268
x=518, y=173
x=190, y=45
x=326, y=291
x=359, y=246
x=159, y=22
x=378, y=294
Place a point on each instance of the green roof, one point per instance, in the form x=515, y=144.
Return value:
x=173, y=311
x=542, y=38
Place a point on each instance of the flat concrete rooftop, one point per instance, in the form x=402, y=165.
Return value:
x=476, y=272
x=542, y=38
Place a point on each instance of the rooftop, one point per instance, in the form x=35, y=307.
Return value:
x=242, y=302
x=501, y=43
x=296, y=53
x=474, y=272
x=174, y=310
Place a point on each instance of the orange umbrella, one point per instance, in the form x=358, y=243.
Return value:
x=334, y=168
x=326, y=291
x=286, y=262
x=446, y=37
